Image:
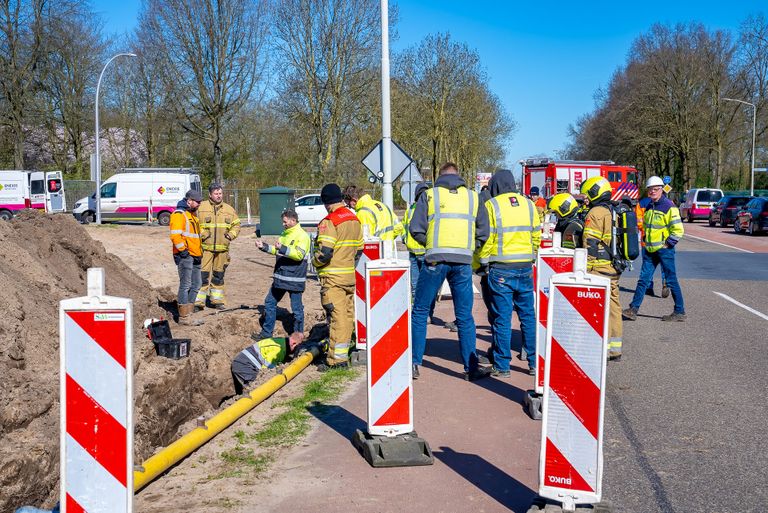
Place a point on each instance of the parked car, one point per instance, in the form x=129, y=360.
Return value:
x=310, y=209
x=725, y=210
x=698, y=202
x=753, y=217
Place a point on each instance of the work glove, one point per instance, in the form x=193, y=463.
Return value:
x=183, y=254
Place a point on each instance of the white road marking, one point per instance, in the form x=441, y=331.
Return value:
x=718, y=243
x=745, y=307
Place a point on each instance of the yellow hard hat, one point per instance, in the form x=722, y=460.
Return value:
x=563, y=204
x=596, y=187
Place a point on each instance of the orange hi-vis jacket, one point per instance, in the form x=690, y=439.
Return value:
x=185, y=232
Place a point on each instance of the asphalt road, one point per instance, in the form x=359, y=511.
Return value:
x=686, y=415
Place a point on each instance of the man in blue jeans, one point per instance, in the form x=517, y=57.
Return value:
x=509, y=253
x=662, y=230
x=449, y=222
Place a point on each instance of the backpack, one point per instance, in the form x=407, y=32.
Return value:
x=625, y=239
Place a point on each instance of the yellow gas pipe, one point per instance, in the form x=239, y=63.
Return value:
x=187, y=444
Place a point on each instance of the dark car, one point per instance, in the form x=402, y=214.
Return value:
x=725, y=210
x=753, y=218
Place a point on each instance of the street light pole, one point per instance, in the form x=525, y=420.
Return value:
x=98, y=154
x=386, y=134
x=754, y=123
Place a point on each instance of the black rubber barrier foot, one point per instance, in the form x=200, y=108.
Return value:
x=532, y=402
x=541, y=505
x=358, y=358
x=406, y=450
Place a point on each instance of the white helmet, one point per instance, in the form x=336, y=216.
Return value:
x=654, y=181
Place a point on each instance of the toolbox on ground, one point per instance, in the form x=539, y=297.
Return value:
x=160, y=334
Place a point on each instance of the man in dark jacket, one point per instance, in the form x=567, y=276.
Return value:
x=450, y=223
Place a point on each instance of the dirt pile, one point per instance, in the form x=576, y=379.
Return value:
x=44, y=259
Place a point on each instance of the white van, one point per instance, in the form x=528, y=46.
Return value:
x=46, y=191
x=14, y=193
x=698, y=203
x=127, y=195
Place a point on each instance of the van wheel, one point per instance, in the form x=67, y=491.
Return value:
x=164, y=218
x=88, y=217
x=6, y=215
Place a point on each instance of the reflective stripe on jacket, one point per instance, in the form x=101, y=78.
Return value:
x=451, y=216
x=411, y=243
x=598, y=230
x=515, y=231
x=339, y=240
x=661, y=225
x=291, y=266
x=185, y=232
x=380, y=220
x=217, y=222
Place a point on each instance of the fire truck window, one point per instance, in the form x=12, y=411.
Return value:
x=54, y=185
x=632, y=177
x=614, y=176
x=562, y=186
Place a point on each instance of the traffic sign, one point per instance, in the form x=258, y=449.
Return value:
x=667, y=188
x=399, y=159
x=667, y=179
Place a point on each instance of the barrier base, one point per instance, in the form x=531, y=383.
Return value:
x=399, y=451
x=358, y=358
x=541, y=505
x=532, y=402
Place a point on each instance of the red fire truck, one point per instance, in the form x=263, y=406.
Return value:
x=555, y=176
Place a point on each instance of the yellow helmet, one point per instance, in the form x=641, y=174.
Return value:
x=596, y=188
x=563, y=204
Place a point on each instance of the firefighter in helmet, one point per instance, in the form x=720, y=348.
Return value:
x=569, y=222
x=598, y=234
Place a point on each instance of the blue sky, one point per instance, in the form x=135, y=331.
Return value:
x=544, y=59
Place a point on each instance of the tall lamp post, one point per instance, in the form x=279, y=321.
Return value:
x=754, y=120
x=98, y=154
x=386, y=135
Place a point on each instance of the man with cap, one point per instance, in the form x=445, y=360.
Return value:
x=339, y=245
x=219, y=225
x=187, y=253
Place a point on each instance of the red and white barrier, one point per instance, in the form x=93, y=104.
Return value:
x=571, y=459
x=549, y=262
x=96, y=390
x=372, y=250
x=388, y=315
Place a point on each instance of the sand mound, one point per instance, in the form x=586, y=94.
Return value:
x=43, y=259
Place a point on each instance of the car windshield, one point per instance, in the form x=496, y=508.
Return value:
x=709, y=196
x=738, y=202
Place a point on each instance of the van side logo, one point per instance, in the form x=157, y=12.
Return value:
x=161, y=189
x=1, y=187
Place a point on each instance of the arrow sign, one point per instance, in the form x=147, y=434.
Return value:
x=399, y=159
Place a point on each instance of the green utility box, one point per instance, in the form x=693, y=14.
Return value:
x=272, y=202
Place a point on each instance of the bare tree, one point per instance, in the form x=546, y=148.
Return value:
x=213, y=51
x=326, y=49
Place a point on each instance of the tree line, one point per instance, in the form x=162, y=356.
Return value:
x=254, y=91
x=665, y=110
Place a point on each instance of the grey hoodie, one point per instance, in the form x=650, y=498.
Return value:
x=419, y=224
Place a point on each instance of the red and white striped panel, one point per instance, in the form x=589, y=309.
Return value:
x=626, y=190
x=549, y=262
x=96, y=410
x=390, y=397
x=372, y=250
x=574, y=389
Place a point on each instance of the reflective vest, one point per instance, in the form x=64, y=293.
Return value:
x=661, y=221
x=451, y=215
x=515, y=230
x=185, y=232
x=217, y=222
x=291, y=266
x=379, y=219
x=268, y=352
x=340, y=236
x=411, y=243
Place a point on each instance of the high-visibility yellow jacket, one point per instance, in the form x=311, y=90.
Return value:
x=380, y=220
x=411, y=243
x=598, y=231
x=219, y=225
x=661, y=225
x=339, y=242
x=185, y=231
x=515, y=231
x=451, y=215
x=291, y=266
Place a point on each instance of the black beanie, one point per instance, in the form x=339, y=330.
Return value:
x=331, y=194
